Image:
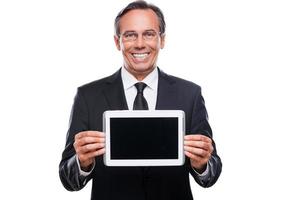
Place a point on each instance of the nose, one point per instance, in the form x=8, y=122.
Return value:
x=140, y=42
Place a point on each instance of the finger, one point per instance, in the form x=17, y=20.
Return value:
x=90, y=155
x=198, y=161
x=197, y=151
x=197, y=137
x=90, y=147
x=90, y=134
x=198, y=144
x=88, y=140
x=192, y=156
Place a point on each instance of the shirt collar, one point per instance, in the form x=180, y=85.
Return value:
x=129, y=80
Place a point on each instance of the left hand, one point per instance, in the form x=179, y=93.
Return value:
x=198, y=148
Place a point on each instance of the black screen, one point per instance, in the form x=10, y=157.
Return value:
x=144, y=138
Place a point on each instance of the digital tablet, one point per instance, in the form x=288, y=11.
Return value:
x=144, y=138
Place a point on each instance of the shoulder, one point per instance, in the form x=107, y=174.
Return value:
x=180, y=83
x=100, y=84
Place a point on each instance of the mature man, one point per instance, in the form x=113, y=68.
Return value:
x=139, y=35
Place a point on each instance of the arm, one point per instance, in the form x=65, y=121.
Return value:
x=200, y=148
x=81, y=148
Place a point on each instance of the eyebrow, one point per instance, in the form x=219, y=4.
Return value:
x=129, y=31
x=132, y=31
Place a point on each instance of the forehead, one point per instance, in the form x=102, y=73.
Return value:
x=139, y=20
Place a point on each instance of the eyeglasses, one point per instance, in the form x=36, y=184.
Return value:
x=130, y=36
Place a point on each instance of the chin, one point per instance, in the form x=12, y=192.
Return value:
x=142, y=69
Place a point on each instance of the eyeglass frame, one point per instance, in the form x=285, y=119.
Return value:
x=137, y=35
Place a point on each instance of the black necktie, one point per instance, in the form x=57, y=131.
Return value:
x=140, y=102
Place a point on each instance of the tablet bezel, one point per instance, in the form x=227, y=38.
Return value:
x=179, y=114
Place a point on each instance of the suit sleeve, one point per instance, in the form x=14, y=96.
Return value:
x=69, y=171
x=200, y=125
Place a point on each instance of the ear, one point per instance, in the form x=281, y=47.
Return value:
x=117, y=42
x=162, y=41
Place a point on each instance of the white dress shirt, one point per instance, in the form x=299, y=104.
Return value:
x=150, y=94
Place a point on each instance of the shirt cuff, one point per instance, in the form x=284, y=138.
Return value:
x=81, y=172
x=203, y=173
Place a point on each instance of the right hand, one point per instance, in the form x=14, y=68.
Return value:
x=88, y=145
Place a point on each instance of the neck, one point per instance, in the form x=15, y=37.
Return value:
x=140, y=75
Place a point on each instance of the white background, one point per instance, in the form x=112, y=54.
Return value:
x=244, y=54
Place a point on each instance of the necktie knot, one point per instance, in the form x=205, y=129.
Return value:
x=140, y=102
x=140, y=86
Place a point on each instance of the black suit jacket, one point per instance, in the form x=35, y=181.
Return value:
x=133, y=183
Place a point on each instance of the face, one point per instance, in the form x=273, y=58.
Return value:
x=139, y=41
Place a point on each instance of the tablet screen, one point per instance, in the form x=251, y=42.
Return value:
x=144, y=138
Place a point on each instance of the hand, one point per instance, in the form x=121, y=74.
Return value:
x=88, y=145
x=198, y=148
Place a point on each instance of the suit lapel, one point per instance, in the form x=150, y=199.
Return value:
x=166, y=94
x=114, y=92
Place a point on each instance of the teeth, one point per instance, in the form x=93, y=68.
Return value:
x=140, y=55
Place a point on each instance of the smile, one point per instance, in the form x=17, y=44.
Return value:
x=140, y=55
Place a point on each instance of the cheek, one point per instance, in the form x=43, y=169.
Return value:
x=125, y=48
x=155, y=49
x=122, y=47
x=155, y=46
x=125, y=51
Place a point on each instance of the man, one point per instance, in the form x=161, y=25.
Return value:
x=139, y=35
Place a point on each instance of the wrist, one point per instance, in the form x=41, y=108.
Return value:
x=86, y=166
x=200, y=169
x=86, y=169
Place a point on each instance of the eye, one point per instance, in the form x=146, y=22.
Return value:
x=130, y=35
x=149, y=34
